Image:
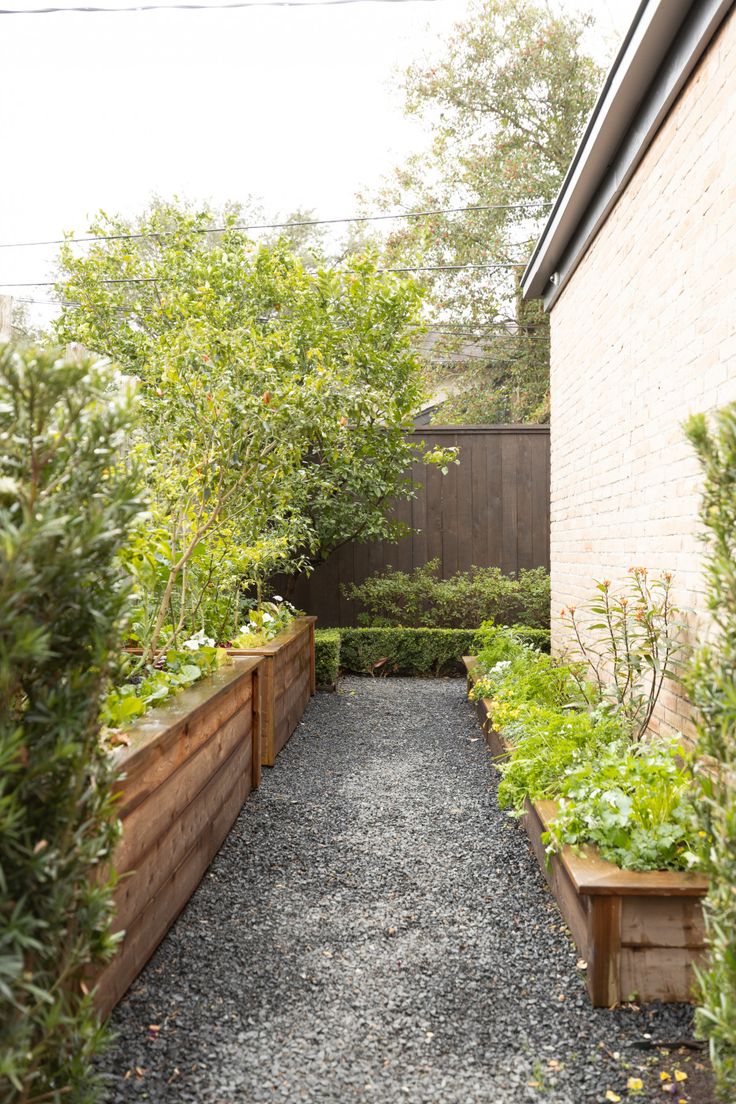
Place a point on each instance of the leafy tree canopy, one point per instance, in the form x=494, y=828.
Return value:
x=506, y=104
x=275, y=399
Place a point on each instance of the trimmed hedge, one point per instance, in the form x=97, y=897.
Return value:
x=391, y=651
x=404, y=651
x=327, y=658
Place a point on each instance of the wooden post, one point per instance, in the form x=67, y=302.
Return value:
x=604, y=950
x=6, y=317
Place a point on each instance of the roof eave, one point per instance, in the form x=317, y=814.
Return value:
x=664, y=43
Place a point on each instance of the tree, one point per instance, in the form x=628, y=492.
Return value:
x=275, y=401
x=506, y=105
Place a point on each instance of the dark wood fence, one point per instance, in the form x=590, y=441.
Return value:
x=490, y=510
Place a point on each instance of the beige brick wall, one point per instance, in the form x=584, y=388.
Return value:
x=643, y=335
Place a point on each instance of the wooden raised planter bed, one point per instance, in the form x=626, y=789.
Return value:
x=186, y=773
x=287, y=683
x=640, y=933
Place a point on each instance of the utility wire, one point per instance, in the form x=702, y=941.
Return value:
x=158, y=280
x=282, y=225
x=87, y=9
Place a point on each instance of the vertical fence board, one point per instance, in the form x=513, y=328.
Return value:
x=491, y=510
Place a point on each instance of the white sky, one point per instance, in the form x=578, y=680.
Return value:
x=293, y=107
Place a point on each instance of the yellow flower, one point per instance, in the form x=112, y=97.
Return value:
x=635, y=1084
x=664, y=1076
x=680, y=1075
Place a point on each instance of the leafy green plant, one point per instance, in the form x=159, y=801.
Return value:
x=712, y=684
x=139, y=690
x=265, y=621
x=327, y=658
x=546, y=744
x=422, y=599
x=634, y=802
x=523, y=677
x=66, y=503
x=629, y=639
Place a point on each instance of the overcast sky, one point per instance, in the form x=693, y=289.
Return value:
x=293, y=107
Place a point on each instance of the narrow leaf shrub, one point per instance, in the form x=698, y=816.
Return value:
x=421, y=599
x=65, y=505
x=712, y=684
x=327, y=657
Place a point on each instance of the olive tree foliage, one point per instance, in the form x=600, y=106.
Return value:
x=506, y=103
x=712, y=683
x=275, y=401
x=66, y=503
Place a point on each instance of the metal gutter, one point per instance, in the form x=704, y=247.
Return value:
x=662, y=47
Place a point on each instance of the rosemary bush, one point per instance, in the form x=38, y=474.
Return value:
x=65, y=504
x=712, y=684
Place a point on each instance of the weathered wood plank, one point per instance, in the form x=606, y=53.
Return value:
x=171, y=830
x=287, y=680
x=151, y=924
x=604, y=951
x=177, y=728
x=147, y=821
x=168, y=850
x=662, y=922
x=658, y=973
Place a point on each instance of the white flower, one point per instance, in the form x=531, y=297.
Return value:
x=267, y=617
x=199, y=640
x=277, y=598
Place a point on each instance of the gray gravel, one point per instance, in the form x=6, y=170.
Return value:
x=375, y=929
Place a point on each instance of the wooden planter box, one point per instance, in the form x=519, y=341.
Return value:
x=188, y=769
x=640, y=933
x=287, y=683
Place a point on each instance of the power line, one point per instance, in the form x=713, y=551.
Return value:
x=159, y=280
x=87, y=9
x=294, y=224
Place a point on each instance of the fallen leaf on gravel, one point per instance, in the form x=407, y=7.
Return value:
x=664, y=1076
x=581, y=964
x=327, y=954
x=680, y=1075
x=635, y=1084
x=613, y=1097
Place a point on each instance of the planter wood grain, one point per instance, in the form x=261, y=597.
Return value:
x=287, y=683
x=186, y=773
x=640, y=933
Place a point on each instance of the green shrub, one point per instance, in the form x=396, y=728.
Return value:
x=633, y=802
x=327, y=657
x=495, y=642
x=422, y=599
x=65, y=506
x=712, y=684
x=405, y=651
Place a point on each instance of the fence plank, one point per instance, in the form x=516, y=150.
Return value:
x=491, y=510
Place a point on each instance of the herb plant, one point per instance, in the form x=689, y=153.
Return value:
x=634, y=802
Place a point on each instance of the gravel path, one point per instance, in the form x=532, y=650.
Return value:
x=375, y=929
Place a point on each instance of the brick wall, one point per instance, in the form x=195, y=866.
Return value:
x=643, y=335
